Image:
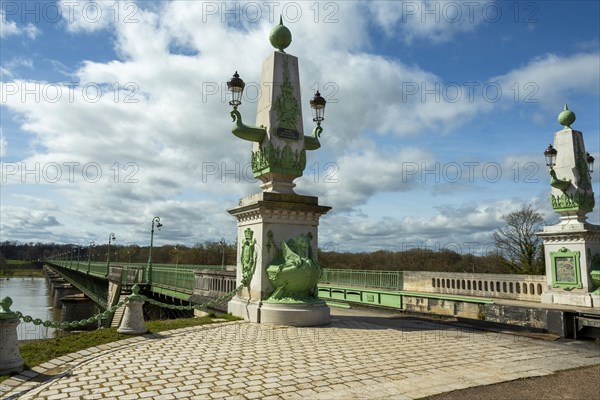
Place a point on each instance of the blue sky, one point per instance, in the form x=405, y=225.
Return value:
x=438, y=113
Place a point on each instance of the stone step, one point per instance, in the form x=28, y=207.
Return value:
x=116, y=321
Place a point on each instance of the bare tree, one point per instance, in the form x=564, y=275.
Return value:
x=521, y=249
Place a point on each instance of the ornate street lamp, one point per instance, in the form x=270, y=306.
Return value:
x=149, y=269
x=561, y=184
x=236, y=86
x=550, y=154
x=111, y=237
x=90, y=255
x=317, y=104
x=590, y=162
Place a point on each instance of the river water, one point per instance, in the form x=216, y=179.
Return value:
x=31, y=296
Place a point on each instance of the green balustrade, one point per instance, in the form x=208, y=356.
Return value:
x=363, y=278
x=181, y=280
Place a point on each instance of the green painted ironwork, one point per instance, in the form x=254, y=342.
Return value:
x=577, y=201
x=363, y=278
x=178, y=280
x=6, y=302
x=565, y=266
x=387, y=298
x=246, y=132
x=74, y=324
x=294, y=272
x=95, y=289
x=248, y=257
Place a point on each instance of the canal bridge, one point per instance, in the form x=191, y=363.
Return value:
x=503, y=298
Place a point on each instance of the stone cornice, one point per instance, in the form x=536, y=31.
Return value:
x=270, y=211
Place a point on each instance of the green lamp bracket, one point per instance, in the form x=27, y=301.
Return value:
x=559, y=184
x=312, y=142
x=246, y=132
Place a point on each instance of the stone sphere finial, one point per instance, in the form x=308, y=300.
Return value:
x=566, y=117
x=280, y=36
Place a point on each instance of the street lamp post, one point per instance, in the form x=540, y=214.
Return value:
x=149, y=268
x=111, y=237
x=78, y=255
x=222, y=243
x=90, y=255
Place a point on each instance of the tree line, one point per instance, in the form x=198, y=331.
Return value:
x=518, y=250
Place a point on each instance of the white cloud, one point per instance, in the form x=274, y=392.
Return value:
x=465, y=227
x=90, y=15
x=10, y=28
x=431, y=20
x=3, y=144
x=163, y=146
x=15, y=63
x=552, y=79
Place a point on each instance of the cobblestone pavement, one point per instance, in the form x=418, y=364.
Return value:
x=354, y=358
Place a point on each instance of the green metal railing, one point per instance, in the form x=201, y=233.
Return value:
x=181, y=280
x=100, y=270
x=363, y=278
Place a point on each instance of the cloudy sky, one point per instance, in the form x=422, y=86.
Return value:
x=438, y=112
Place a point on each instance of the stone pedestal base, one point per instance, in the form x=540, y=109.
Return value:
x=295, y=314
x=10, y=357
x=245, y=308
x=571, y=299
x=133, y=319
x=572, y=250
x=280, y=314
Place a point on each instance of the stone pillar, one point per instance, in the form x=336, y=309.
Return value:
x=571, y=247
x=78, y=307
x=133, y=318
x=10, y=357
x=277, y=228
x=272, y=220
x=61, y=291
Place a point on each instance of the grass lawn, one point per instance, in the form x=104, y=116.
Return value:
x=38, y=352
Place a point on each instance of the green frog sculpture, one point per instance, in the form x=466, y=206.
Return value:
x=294, y=272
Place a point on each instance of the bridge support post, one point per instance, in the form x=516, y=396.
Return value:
x=78, y=307
x=61, y=291
x=10, y=357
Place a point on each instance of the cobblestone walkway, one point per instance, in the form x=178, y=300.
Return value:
x=354, y=358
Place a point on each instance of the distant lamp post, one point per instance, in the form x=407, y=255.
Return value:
x=236, y=86
x=90, y=255
x=158, y=226
x=111, y=237
x=317, y=104
x=78, y=255
x=590, y=162
x=129, y=248
x=222, y=243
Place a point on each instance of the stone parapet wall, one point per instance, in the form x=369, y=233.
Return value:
x=500, y=286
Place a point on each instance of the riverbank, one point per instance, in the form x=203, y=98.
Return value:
x=21, y=273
